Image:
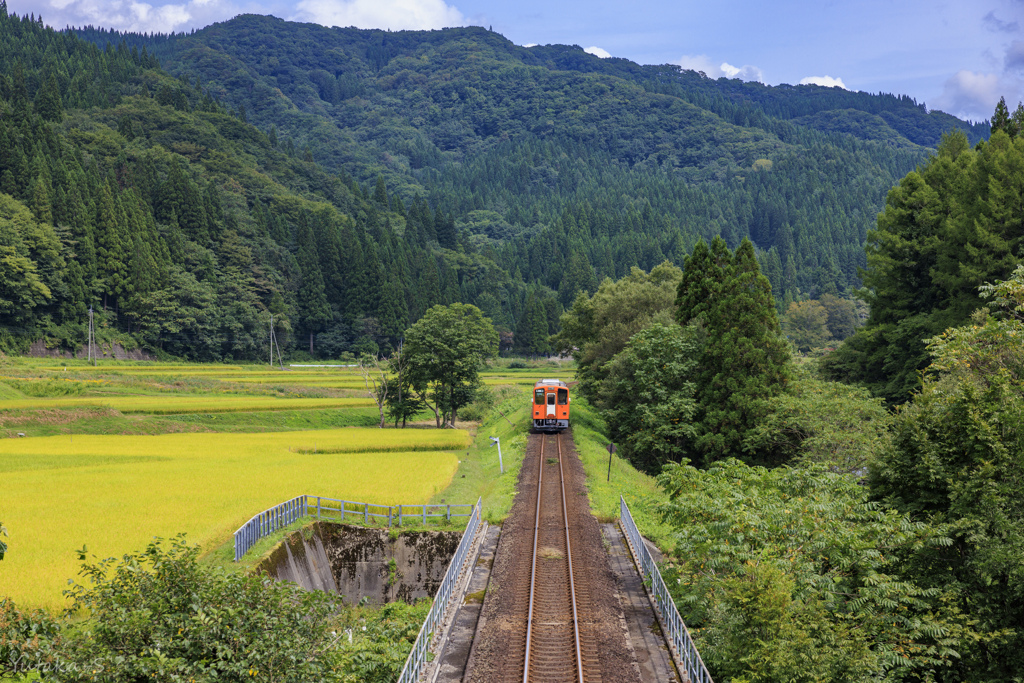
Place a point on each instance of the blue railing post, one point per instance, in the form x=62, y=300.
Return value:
x=683, y=649
x=442, y=600
x=279, y=516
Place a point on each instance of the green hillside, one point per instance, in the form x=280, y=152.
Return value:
x=189, y=186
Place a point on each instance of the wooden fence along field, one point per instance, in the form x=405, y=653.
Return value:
x=115, y=493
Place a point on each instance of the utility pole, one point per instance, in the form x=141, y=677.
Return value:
x=273, y=341
x=92, y=338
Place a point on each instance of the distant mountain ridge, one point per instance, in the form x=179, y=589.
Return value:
x=347, y=179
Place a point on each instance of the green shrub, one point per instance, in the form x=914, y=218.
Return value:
x=159, y=615
x=49, y=388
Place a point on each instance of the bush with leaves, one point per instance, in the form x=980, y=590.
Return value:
x=957, y=459
x=379, y=655
x=29, y=640
x=793, y=575
x=158, y=615
x=830, y=423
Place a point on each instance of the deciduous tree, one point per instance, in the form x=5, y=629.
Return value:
x=957, y=459
x=649, y=391
x=445, y=351
x=806, y=325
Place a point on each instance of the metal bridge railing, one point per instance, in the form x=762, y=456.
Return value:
x=273, y=519
x=267, y=522
x=683, y=649
x=446, y=594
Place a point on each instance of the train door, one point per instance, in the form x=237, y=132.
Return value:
x=551, y=404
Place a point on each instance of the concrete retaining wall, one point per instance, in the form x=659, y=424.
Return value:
x=105, y=351
x=362, y=563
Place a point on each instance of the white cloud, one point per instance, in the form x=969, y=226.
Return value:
x=123, y=15
x=597, y=52
x=825, y=81
x=390, y=14
x=713, y=70
x=744, y=73
x=530, y=45
x=969, y=95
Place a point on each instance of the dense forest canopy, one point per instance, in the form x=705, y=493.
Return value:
x=188, y=187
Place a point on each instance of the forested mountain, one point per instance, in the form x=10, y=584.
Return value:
x=344, y=180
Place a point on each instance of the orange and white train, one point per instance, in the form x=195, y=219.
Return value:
x=550, y=405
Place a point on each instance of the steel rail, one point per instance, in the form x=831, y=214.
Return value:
x=533, y=566
x=568, y=554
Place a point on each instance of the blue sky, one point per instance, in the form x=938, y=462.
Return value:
x=958, y=56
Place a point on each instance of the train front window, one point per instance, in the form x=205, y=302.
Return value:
x=538, y=397
x=563, y=397
x=551, y=399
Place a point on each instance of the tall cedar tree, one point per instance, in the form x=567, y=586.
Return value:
x=313, y=304
x=946, y=229
x=744, y=360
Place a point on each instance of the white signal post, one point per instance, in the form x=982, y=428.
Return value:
x=496, y=440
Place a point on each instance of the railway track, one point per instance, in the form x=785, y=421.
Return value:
x=560, y=646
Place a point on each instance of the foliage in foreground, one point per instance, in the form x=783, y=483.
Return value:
x=793, y=575
x=158, y=615
x=957, y=459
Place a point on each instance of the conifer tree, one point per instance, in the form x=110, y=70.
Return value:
x=112, y=243
x=391, y=312
x=744, y=359
x=48, y=103
x=446, y=234
x=380, y=193
x=313, y=304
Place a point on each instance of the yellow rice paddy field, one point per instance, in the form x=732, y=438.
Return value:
x=115, y=493
x=112, y=489
x=185, y=403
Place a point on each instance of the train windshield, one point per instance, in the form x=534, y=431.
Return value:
x=538, y=397
x=551, y=399
x=563, y=397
